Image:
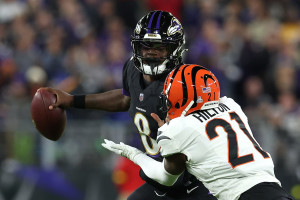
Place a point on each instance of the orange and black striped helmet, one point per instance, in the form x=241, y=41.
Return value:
x=189, y=88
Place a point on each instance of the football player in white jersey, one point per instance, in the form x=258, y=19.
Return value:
x=210, y=137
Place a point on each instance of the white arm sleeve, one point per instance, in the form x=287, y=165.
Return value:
x=155, y=170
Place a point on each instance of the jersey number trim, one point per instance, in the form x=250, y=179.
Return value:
x=142, y=124
x=233, y=155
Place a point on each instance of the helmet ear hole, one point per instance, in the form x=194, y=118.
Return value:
x=177, y=106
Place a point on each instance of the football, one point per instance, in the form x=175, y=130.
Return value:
x=50, y=123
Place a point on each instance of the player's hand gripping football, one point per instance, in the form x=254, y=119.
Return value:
x=122, y=149
x=64, y=99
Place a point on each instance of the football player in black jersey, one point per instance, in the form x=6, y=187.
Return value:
x=158, y=43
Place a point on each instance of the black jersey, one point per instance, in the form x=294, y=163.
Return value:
x=144, y=101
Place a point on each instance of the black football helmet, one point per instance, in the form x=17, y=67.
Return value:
x=156, y=29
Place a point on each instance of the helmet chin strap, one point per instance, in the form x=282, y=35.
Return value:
x=187, y=109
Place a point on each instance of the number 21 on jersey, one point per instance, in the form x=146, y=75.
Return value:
x=234, y=159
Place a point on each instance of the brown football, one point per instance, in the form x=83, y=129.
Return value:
x=50, y=123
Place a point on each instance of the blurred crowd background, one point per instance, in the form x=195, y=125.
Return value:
x=80, y=46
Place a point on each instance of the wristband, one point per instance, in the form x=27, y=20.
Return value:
x=79, y=101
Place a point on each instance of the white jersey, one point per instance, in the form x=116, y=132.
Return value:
x=220, y=148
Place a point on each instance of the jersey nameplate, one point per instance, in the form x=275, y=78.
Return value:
x=204, y=115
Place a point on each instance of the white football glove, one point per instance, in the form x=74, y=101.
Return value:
x=152, y=168
x=122, y=149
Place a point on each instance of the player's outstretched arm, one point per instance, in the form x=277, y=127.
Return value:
x=157, y=171
x=113, y=101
